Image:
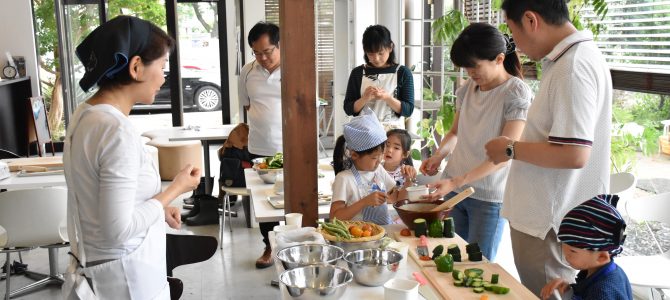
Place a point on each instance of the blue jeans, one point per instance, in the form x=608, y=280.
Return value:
x=479, y=222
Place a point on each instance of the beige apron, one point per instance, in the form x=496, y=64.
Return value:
x=389, y=82
x=141, y=274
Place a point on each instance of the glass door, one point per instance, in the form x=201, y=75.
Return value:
x=75, y=19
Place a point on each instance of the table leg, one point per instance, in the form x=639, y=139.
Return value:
x=205, y=146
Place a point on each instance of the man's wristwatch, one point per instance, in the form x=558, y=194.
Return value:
x=509, y=151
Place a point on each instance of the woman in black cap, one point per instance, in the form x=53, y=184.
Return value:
x=116, y=209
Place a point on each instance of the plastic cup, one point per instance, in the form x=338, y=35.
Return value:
x=294, y=219
x=401, y=289
x=414, y=193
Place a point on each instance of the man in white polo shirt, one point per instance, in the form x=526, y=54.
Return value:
x=562, y=157
x=260, y=93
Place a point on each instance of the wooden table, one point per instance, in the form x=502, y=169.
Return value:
x=261, y=209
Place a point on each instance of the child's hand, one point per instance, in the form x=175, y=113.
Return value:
x=409, y=173
x=557, y=284
x=375, y=198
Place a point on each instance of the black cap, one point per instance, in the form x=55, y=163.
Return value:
x=107, y=50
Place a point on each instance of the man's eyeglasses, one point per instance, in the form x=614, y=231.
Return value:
x=266, y=52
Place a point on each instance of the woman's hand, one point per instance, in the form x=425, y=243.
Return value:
x=172, y=217
x=429, y=166
x=187, y=179
x=557, y=284
x=369, y=94
x=442, y=187
x=376, y=198
x=382, y=94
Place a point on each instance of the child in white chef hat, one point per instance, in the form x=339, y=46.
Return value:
x=361, y=183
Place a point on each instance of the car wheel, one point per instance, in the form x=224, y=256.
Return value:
x=208, y=98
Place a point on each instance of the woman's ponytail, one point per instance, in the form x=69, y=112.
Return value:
x=512, y=63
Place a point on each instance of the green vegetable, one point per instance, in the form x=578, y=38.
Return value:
x=435, y=229
x=498, y=289
x=487, y=286
x=437, y=251
x=445, y=264
x=458, y=282
x=453, y=249
x=420, y=227
x=475, y=256
x=478, y=290
x=474, y=272
x=448, y=228
x=275, y=162
x=457, y=257
x=472, y=248
x=494, y=278
x=457, y=274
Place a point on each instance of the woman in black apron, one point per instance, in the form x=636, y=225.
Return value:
x=381, y=84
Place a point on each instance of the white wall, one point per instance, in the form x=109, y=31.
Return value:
x=18, y=37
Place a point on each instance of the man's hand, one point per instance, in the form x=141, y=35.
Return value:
x=172, y=217
x=495, y=149
x=442, y=187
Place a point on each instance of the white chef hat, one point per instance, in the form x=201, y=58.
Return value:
x=364, y=131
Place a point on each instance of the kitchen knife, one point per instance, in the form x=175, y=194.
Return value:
x=424, y=288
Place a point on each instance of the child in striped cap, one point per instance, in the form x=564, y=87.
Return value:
x=592, y=234
x=362, y=188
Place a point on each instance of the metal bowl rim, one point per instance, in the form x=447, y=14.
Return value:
x=363, y=250
x=350, y=279
x=311, y=244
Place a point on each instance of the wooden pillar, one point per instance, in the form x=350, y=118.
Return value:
x=298, y=90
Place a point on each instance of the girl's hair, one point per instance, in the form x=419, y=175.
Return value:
x=339, y=155
x=159, y=42
x=405, y=143
x=484, y=42
x=376, y=38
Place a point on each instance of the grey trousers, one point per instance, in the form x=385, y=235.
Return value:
x=539, y=261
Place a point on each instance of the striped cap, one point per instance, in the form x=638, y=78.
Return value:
x=364, y=131
x=594, y=225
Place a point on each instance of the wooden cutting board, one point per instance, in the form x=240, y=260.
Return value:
x=443, y=283
x=413, y=241
x=48, y=162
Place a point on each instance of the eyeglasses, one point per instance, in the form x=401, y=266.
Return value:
x=266, y=52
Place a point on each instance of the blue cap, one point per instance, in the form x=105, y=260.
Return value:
x=364, y=131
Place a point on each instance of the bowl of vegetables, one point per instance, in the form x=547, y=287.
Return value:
x=352, y=235
x=269, y=167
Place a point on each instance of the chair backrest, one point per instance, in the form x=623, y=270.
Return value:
x=651, y=208
x=33, y=217
x=188, y=249
x=623, y=185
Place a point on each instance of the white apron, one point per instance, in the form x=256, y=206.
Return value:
x=389, y=82
x=141, y=274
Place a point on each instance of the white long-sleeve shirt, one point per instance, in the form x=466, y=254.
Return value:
x=114, y=180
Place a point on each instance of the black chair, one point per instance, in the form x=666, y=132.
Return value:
x=183, y=250
x=8, y=154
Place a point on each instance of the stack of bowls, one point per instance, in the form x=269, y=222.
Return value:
x=316, y=282
x=373, y=267
x=310, y=254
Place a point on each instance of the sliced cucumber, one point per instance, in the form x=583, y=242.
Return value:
x=486, y=286
x=474, y=272
x=457, y=274
x=478, y=290
x=458, y=282
x=477, y=284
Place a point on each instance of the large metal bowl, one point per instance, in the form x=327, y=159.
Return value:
x=373, y=267
x=316, y=282
x=268, y=177
x=310, y=254
x=353, y=246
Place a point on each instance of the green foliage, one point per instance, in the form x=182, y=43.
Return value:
x=447, y=28
x=599, y=8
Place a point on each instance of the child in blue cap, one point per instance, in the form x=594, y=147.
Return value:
x=361, y=183
x=592, y=234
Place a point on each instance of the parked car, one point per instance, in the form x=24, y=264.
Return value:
x=201, y=92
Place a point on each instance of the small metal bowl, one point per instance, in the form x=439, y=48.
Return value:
x=310, y=254
x=316, y=282
x=373, y=267
x=268, y=177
